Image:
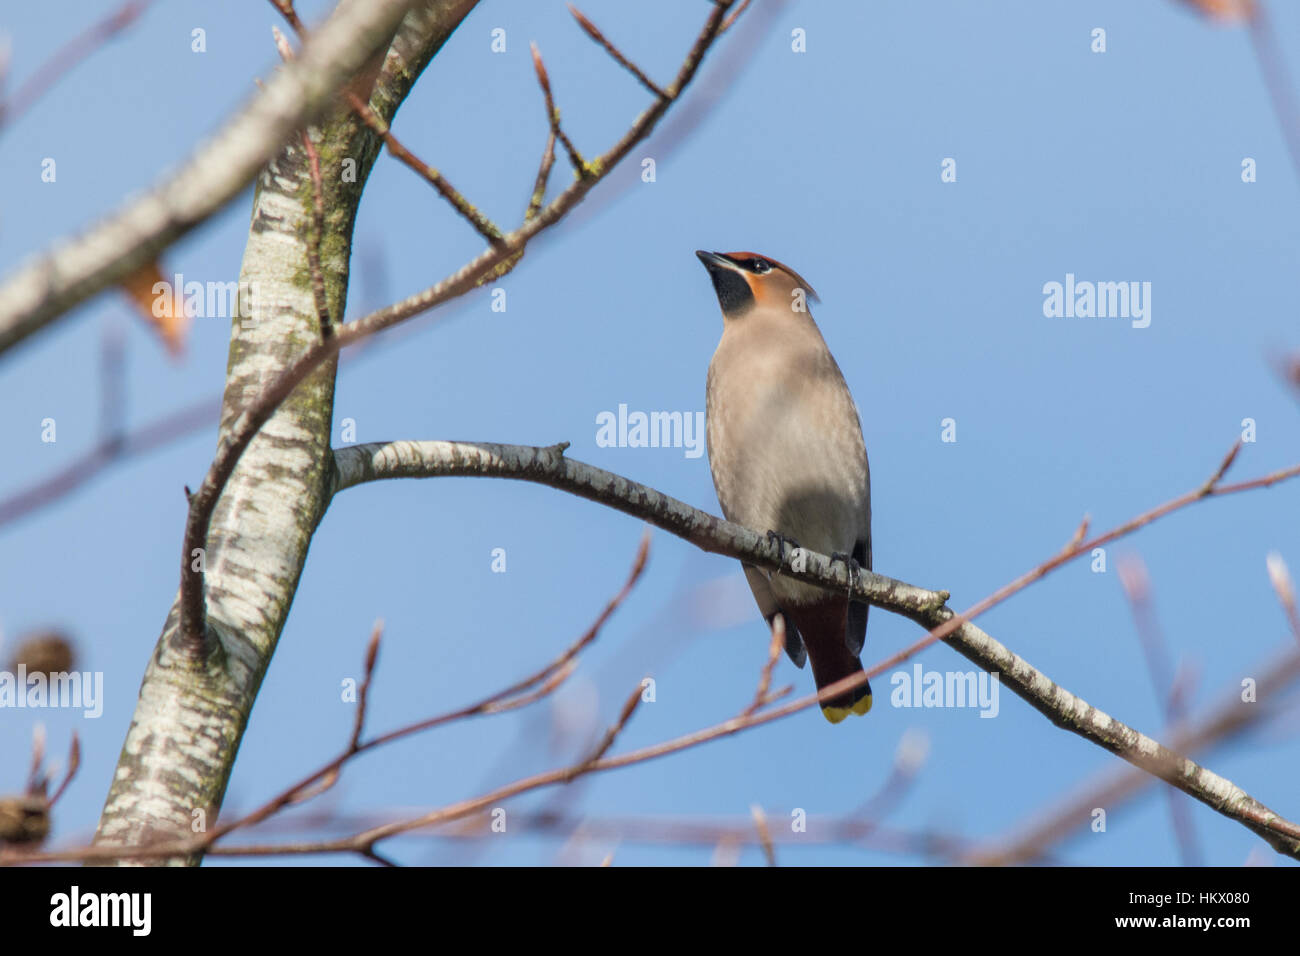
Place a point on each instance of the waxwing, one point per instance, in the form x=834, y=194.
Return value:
x=787, y=456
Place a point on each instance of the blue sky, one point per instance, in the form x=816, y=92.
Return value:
x=1115, y=166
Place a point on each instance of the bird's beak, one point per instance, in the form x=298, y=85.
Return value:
x=712, y=261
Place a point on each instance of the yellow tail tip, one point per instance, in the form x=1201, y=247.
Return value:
x=836, y=714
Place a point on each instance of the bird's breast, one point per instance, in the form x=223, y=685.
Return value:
x=785, y=446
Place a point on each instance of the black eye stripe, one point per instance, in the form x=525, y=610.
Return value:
x=760, y=266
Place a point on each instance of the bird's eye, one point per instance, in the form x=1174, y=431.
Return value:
x=760, y=266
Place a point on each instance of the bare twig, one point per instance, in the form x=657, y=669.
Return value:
x=1137, y=588
x=553, y=117
x=543, y=176
x=1210, y=488
x=629, y=708
x=528, y=690
x=764, y=833
x=773, y=655
x=74, y=764
x=619, y=58
x=37, y=779
x=1225, y=722
x=290, y=14
x=315, y=239
x=1280, y=577
x=69, y=55
x=1281, y=93
x=363, y=695
x=481, y=223
x=735, y=15
x=111, y=448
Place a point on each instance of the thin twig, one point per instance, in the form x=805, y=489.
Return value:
x=471, y=213
x=74, y=764
x=735, y=15
x=290, y=14
x=543, y=176
x=1210, y=488
x=764, y=833
x=1280, y=577
x=1281, y=93
x=1224, y=723
x=548, y=679
x=619, y=58
x=363, y=695
x=773, y=655
x=76, y=50
x=553, y=117
x=1137, y=588
x=481, y=223
x=316, y=238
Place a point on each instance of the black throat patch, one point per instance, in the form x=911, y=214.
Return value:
x=733, y=291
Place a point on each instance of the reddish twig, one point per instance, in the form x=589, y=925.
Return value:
x=619, y=58
x=316, y=238
x=553, y=116
x=773, y=655
x=1137, y=588
x=64, y=59
x=1284, y=587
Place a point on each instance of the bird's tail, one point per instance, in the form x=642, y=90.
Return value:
x=822, y=627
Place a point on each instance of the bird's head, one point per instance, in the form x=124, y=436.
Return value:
x=745, y=280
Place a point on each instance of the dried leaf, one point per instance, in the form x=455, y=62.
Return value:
x=162, y=306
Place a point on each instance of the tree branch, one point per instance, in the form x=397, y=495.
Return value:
x=492, y=263
x=76, y=269
x=408, y=459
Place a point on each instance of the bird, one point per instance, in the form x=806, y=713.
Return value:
x=788, y=459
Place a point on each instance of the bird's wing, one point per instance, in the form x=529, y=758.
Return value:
x=758, y=583
x=856, y=633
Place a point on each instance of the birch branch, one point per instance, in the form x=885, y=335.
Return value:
x=418, y=459
x=217, y=171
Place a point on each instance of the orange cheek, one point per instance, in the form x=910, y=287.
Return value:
x=764, y=293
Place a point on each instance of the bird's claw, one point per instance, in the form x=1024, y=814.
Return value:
x=851, y=564
x=781, y=541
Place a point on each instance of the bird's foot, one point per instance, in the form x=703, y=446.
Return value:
x=781, y=541
x=851, y=564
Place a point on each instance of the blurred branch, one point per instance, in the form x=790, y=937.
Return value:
x=1279, y=577
x=361, y=463
x=1224, y=723
x=531, y=689
x=71, y=54
x=1171, y=697
x=1276, y=78
x=112, y=448
x=76, y=269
